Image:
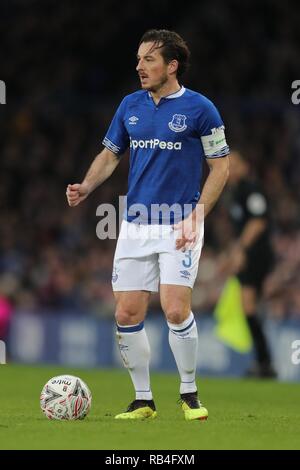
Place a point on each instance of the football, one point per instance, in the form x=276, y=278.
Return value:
x=65, y=397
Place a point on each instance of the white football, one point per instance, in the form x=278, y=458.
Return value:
x=65, y=397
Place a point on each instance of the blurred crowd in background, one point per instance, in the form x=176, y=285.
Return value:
x=66, y=66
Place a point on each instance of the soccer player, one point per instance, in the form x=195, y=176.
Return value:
x=170, y=131
x=251, y=257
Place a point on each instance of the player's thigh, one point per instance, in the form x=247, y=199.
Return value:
x=175, y=302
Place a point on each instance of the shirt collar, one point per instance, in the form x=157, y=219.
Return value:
x=177, y=94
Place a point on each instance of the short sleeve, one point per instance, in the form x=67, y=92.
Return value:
x=212, y=132
x=117, y=139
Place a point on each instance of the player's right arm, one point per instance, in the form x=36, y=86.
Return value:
x=102, y=167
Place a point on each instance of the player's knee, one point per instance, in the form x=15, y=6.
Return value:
x=126, y=316
x=176, y=315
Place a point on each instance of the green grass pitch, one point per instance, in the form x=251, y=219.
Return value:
x=243, y=414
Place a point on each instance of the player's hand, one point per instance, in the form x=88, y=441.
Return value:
x=76, y=193
x=188, y=232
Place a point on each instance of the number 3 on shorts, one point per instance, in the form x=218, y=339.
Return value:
x=187, y=263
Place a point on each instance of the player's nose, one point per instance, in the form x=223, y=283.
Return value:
x=139, y=67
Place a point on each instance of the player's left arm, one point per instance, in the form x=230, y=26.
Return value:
x=215, y=182
x=210, y=128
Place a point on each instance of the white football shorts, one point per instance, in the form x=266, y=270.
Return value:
x=146, y=255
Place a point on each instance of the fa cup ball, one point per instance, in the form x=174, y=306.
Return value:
x=65, y=397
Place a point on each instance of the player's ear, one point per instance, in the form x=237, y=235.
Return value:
x=173, y=66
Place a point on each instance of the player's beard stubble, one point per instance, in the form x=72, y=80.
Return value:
x=155, y=88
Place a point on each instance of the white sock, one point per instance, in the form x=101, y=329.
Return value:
x=135, y=352
x=183, y=340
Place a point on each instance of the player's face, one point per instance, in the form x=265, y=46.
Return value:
x=151, y=67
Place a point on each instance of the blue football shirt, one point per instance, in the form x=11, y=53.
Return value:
x=168, y=142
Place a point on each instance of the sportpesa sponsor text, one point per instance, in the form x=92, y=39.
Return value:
x=155, y=143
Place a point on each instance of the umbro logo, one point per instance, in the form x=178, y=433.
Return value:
x=185, y=274
x=133, y=120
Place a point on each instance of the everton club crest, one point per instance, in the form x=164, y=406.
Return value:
x=178, y=123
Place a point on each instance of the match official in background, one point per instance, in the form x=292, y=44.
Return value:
x=251, y=256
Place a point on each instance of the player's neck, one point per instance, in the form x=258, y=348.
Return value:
x=165, y=90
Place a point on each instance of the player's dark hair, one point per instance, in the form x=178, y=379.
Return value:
x=172, y=47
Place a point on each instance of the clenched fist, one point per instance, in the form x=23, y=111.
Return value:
x=76, y=193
